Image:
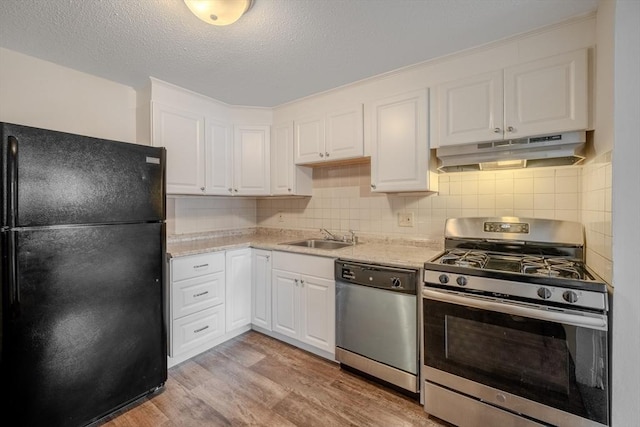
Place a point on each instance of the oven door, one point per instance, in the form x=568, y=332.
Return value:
x=547, y=364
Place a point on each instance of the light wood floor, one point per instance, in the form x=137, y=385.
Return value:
x=256, y=380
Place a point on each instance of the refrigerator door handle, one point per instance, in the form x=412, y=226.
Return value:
x=12, y=276
x=12, y=182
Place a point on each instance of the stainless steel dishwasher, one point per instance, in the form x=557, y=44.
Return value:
x=377, y=321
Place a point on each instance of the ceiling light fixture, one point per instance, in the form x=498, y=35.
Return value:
x=219, y=12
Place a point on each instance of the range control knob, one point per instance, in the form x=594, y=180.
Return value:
x=570, y=296
x=443, y=278
x=461, y=280
x=396, y=282
x=544, y=293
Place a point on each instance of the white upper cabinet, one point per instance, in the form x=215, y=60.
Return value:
x=251, y=160
x=334, y=136
x=344, y=134
x=182, y=133
x=540, y=97
x=471, y=109
x=206, y=153
x=546, y=96
x=286, y=177
x=399, y=144
x=219, y=155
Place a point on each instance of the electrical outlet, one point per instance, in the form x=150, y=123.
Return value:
x=280, y=217
x=405, y=219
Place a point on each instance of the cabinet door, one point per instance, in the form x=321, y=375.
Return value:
x=261, y=289
x=546, y=96
x=286, y=177
x=317, y=312
x=471, y=109
x=344, y=138
x=219, y=155
x=182, y=134
x=285, y=308
x=238, y=288
x=282, y=167
x=400, y=149
x=251, y=160
x=309, y=140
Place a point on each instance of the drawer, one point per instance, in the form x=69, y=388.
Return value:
x=192, y=295
x=309, y=265
x=196, y=265
x=197, y=329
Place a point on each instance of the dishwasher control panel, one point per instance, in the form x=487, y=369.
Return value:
x=378, y=276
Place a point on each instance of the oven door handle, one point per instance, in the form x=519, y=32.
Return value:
x=580, y=319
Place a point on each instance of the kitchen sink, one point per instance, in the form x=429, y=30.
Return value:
x=319, y=244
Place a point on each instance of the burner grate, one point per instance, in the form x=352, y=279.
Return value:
x=464, y=258
x=552, y=267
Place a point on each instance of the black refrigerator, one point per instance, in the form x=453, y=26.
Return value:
x=83, y=265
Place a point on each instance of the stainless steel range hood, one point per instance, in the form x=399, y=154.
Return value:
x=558, y=149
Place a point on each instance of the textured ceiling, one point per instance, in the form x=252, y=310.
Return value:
x=279, y=51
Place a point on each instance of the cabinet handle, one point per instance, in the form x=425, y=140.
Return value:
x=510, y=129
x=321, y=155
x=296, y=280
x=200, y=294
x=301, y=282
x=230, y=189
x=496, y=130
x=289, y=190
x=235, y=190
x=326, y=154
x=268, y=256
x=201, y=329
x=201, y=266
x=202, y=188
x=373, y=186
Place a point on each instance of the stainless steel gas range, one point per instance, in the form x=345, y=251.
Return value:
x=515, y=326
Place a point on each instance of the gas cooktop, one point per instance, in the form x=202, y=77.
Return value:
x=537, y=265
x=536, y=259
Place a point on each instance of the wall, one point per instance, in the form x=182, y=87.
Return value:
x=626, y=214
x=202, y=214
x=342, y=200
x=42, y=94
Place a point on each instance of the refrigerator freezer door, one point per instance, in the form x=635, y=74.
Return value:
x=86, y=335
x=64, y=178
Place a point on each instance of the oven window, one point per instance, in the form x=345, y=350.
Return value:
x=558, y=365
x=538, y=360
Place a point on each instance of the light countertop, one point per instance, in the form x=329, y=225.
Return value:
x=396, y=252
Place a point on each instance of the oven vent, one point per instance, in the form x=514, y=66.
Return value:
x=558, y=149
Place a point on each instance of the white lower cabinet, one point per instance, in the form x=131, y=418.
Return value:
x=213, y=297
x=196, y=312
x=261, y=289
x=303, y=297
x=193, y=331
x=238, y=284
x=209, y=301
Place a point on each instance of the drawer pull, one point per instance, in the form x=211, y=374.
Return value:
x=201, y=266
x=200, y=294
x=201, y=329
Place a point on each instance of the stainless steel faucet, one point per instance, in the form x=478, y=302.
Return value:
x=330, y=235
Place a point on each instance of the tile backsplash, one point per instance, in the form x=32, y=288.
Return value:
x=199, y=214
x=596, y=214
x=342, y=200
